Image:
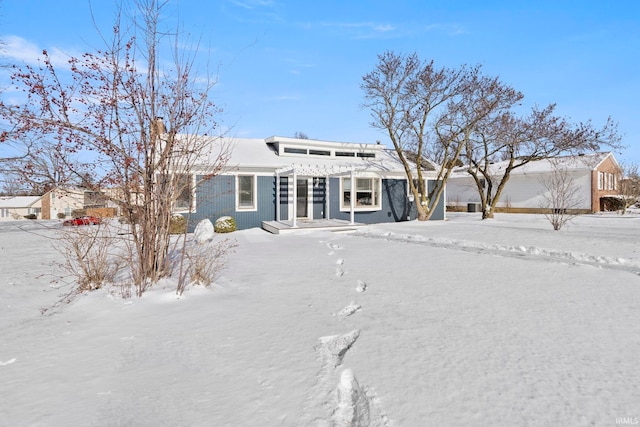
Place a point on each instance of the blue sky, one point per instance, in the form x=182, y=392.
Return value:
x=285, y=66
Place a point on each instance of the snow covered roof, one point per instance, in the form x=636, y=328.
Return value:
x=314, y=156
x=577, y=162
x=18, y=201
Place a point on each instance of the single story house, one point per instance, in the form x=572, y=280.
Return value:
x=17, y=207
x=596, y=176
x=291, y=181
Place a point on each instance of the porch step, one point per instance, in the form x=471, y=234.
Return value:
x=334, y=225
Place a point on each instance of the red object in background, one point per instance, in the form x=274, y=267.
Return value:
x=83, y=220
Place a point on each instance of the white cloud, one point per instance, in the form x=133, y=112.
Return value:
x=251, y=4
x=19, y=50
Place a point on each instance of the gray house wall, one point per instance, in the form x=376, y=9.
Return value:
x=395, y=204
x=319, y=197
x=217, y=197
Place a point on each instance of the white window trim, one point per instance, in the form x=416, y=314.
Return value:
x=253, y=208
x=361, y=208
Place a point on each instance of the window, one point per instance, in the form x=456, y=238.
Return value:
x=184, y=192
x=295, y=150
x=367, y=155
x=606, y=181
x=181, y=187
x=319, y=152
x=345, y=154
x=246, y=189
x=4, y=213
x=367, y=193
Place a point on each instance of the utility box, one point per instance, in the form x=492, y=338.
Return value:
x=474, y=207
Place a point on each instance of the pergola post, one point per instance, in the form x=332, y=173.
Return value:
x=278, y=196
x=327, y=206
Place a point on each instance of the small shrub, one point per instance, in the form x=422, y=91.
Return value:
x=205, y=262
x=61, y=215
x=225, y=224
x=86, y=253
x=178, y=225
x=77, y=213
x=31, y=216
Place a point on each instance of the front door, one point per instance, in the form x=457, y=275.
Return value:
x=302, y=199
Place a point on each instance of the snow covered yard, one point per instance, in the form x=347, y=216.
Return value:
x=463, y=322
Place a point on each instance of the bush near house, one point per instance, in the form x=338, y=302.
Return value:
x=61, y=215
x=31, y=216
x=178, y=225
x=225, y=224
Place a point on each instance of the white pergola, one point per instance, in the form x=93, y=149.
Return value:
x=325, y=171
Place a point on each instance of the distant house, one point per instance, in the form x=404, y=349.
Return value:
x=66, y=202
x=595, y=175
x=17, y=207
x=281, y=181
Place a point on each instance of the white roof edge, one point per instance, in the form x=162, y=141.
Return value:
x=606, y=156
x=323, y=143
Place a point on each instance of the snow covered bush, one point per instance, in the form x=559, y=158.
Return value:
x=178, y=224
x=225, y=224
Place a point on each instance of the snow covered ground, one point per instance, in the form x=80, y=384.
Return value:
x=460, y=322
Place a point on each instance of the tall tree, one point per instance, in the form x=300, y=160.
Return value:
x=137, y=118
x=44, y=166
x=629, y=185
x=518, y=140
x=426, y=110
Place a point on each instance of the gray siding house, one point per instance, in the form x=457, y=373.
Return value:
x=291, y=182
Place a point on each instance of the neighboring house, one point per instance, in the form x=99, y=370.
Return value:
x=595, y=175
x=16, y=207
x=290, y=181
x=63, y=202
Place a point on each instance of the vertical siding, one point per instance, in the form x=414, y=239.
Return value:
x=522, y=191
x=529, y=191
x=439, y=212
x=395, y=204
x=319, y=193
x=217, y=197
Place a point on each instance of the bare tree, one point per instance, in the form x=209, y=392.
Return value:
x=45, y=166
x=629, y=185
x=300, y=135
x=562, y=198
x=139, y=120
x=432, y=111
x=517, y=141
